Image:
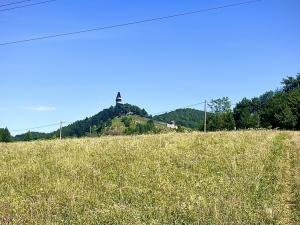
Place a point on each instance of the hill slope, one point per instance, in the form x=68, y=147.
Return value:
x=101, y=120
x=194, y=178
x=104, y=122
x=190, y=118
x=133, y=124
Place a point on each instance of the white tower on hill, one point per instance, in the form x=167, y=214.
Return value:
x=118, y=98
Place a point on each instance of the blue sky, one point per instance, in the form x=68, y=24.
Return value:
x=236, y=52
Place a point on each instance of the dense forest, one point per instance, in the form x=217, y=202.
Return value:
x=278, y=109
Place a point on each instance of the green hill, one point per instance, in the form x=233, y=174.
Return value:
x=100, y=121
x=134, y=124
x=116, y=120
x=190, y=118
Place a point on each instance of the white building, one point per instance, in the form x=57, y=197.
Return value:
x=172, y=125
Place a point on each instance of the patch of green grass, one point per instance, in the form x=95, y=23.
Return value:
x=194, y=178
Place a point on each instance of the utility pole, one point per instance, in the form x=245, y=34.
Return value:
x=60, y=131
x=90, y=131
x=205, y=115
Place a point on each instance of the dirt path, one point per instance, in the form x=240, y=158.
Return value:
x=296, y=138
x=296, y=175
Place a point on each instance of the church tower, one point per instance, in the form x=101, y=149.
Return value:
x=119, y=99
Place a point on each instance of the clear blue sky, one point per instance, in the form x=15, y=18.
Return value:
x=236, y=52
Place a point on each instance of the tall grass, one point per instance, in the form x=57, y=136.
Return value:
x=218, y=178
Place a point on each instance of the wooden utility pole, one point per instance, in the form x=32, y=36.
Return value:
x=205, y=115
x=90, y=131
x=60, y=131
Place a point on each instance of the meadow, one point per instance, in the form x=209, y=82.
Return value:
x=176, y=178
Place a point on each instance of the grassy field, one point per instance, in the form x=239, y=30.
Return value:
x=214, y=178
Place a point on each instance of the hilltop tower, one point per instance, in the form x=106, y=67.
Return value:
x=118, y=98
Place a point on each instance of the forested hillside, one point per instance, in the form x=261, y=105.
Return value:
x=80, y=128
x=101, y=120
x=190, y=118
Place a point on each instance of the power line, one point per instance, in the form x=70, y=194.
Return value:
x=129, y=23
x=34, y=128
x=39, y=127
x=14, y=3
x=28, y=5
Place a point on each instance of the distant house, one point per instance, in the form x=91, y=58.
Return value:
x=129, y=113
x=172, y=125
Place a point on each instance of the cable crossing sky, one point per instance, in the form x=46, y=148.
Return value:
x=126, y=24
x=24, y=6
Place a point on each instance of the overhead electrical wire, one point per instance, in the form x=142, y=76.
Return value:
x=27, y=5
x=14, y=3
x=127, y=24
x=39, y=127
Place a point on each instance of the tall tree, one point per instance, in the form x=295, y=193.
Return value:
x=220, y=105
x=294, y=103
x=5, y=135
x=291, y=83
x=28, y=136
x=279, y=113
x=265, y=98
x=221, y=117
x=246, y=113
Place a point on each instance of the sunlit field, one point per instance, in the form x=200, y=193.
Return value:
x=193, y=178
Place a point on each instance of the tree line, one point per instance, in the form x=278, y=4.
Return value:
x=278, y=109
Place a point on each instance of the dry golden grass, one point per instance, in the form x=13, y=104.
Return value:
x=215, y=178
